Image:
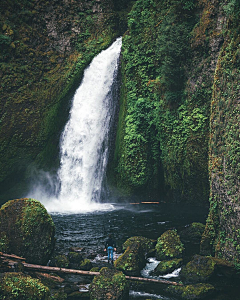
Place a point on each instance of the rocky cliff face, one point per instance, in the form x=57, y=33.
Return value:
x=45, y=46
x=222, y=234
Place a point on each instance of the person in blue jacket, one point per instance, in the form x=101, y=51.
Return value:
x=110, y=246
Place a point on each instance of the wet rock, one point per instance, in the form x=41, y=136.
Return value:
x=61, y=261
x=75, y=257
x=132, y=261
x=109, y=284
x=167, y=266
x=195, y=291
x=193, y=233
x=169, y=246
x=147, y=245
x=77, y=249
x=85, y=265
x=224, y=267
x=78, y=295
x=27, y=230
x=18, y=286
x=200, y=269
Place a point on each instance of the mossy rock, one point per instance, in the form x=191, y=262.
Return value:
x=61, y=261
x=4, y=242
x=109, y=284
x=132, y=261
x=85, y=265
x=27, y=229
x=200, y=269
x=18, y=286
x=78, y=295
x=195, y=291
x=224, y=267
x=146, y=244
x=75, y=257
x=192, y=233
x=169, y=246
x=167, y=266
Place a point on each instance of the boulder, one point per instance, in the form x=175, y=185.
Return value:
x=110, y=284
x=27, y=230
x=146, y=244
x=18, y=286
x=194, y=291
x=167, y=266
x=200, y=269
x=61, y=261
x=132, y=261
x=85, y=265
x=169, y=246
x=193, y=233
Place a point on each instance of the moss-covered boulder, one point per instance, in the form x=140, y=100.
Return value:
x=85, y=265
x=75, y=260
x=169, y=246
x=132, y=261
x=193, y=233
x=27, y=230
x=200, y=269
x=109, y=284
x=146, y=244
x=18, y=286
x=61, y=261
x=167, y=266
x=195, y=291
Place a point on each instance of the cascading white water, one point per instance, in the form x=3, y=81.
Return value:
x=84, y=141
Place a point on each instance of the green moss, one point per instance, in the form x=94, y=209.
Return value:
x=167, y=266
x=28, y=228
x=21, y=287
x=162, y=136
x=200, y=269
x=169, y=246
x=132, y=260
x=85, y=265
x=196, y=291
x=62, y=261
x=109, y=282
x=146, y=244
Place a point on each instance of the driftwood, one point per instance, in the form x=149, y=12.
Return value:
x=40, y=268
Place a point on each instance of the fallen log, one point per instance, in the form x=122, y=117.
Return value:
x=152, y=280
x=41, y=268
x=13, y=256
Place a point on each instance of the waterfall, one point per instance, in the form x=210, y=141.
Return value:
x=85, y=138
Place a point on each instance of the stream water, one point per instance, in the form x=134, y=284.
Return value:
x=90, y=230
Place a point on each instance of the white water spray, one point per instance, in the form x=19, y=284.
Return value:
x=84, y=141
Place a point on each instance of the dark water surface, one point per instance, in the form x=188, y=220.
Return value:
x=90, y=230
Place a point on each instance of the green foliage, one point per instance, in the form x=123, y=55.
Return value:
x=163, y=127
x=169, y=246
x=17, y=286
